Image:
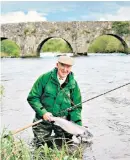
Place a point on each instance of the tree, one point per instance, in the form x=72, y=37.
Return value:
x=121, y=27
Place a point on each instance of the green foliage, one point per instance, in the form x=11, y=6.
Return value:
x=56, y=45
x=9, y=49
x=26, y=31
x=85, y=32
x=56, y=153
x=106, y=44
x=1, y=90
x=12, y=149
x=129, y=50
x=121, y=27
x=30, y=30
x=16, y=149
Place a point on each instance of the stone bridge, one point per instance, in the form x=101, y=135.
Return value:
x=79, y=35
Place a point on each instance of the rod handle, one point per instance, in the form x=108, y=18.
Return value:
x=25, y=127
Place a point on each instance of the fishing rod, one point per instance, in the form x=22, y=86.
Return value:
x=69, y=109
x=76, y=106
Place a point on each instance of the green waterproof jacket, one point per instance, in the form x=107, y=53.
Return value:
x=46, y=95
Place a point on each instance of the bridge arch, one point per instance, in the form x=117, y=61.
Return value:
x=13, y=39
x=10, y=47
x=124, y=44
x=3, y=38
x=46, y=39
x=77, y=34
x=121, y=40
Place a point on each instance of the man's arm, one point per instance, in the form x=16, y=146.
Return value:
x=35, y=96
x=75, y=115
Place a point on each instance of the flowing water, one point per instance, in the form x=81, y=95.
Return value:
x=108, y=116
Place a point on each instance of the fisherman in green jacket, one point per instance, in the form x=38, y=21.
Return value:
x=51, y=95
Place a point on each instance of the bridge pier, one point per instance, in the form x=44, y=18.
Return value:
x=82, y=54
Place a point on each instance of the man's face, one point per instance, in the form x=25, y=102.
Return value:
x=63, y=70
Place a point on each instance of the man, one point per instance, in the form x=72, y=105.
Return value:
x=51, y=95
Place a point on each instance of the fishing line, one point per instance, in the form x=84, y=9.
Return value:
x=69, y=109
x=76, y=106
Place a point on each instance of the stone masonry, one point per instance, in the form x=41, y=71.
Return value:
x=79, y=35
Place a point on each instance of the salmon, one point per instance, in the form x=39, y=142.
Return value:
x=72, y=128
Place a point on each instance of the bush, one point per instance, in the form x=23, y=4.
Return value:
x=56, y=45
x=12, y=149
x=9, y=49
x=121, y=27
x=16, y=149
x=106, y=44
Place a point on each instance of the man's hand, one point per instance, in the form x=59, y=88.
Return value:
x=47, y=116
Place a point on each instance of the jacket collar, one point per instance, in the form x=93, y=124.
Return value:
x=69, y=80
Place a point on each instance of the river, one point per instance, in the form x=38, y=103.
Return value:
x=108, y=116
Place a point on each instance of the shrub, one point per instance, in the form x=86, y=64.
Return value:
x=56, y=45
x=106, y=44
x=9, y=48
x=16, y=149
x=121, y=27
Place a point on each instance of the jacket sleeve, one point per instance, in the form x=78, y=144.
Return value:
x=75, y=114
x=35, y=96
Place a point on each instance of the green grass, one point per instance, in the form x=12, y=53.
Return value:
x=106, y=44
x=9, y=49
x=16, y=149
